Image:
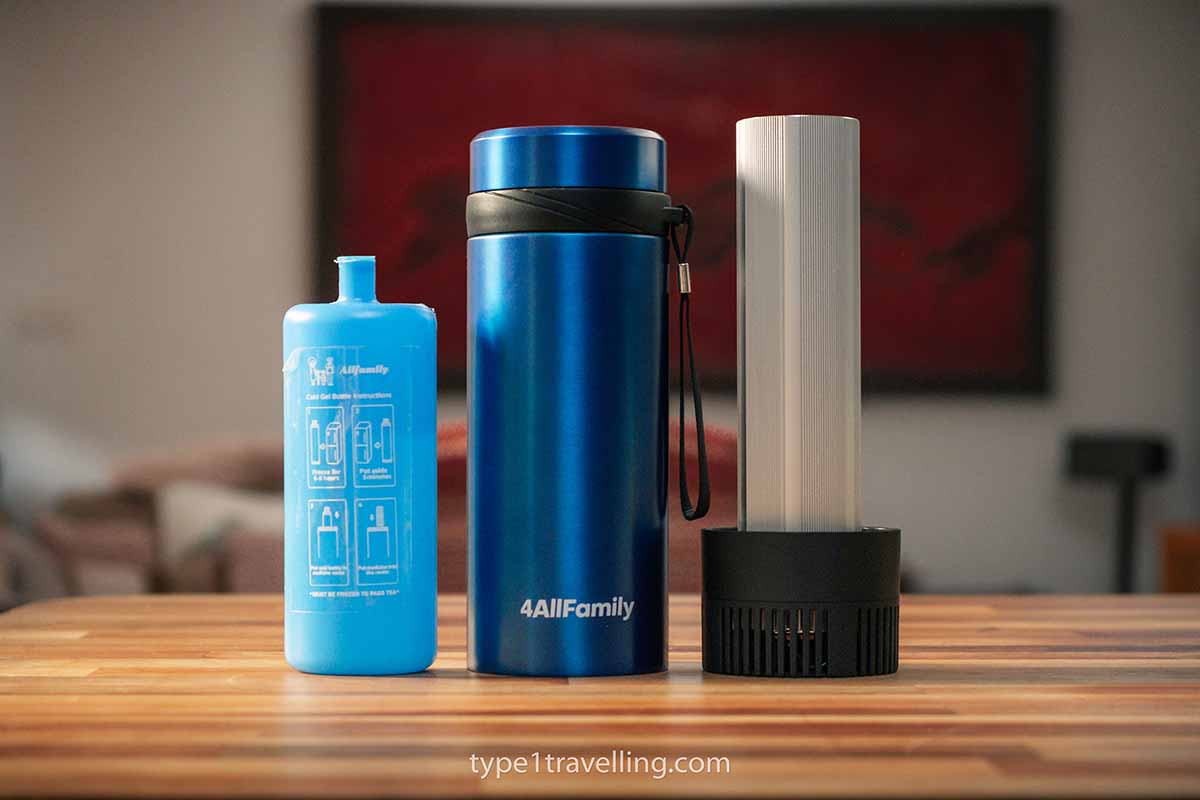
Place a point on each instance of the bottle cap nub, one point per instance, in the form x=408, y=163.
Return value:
x=356, y=278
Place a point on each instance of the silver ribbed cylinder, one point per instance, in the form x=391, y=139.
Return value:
x=799, y=402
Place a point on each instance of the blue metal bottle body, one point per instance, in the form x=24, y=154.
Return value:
x=567, y=398
x=567, y=414
x=360, y=484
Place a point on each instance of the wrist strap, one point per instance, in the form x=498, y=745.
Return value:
x=685, y=217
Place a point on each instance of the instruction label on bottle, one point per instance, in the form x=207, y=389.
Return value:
x=349, y=420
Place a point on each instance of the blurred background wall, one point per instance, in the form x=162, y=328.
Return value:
x=155, y=221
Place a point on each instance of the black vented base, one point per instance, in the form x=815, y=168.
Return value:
x=801, y=605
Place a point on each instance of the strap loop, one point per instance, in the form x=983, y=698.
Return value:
x=685, y=338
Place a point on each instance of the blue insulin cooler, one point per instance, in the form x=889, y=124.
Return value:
x=567, y=401
x=360, y=482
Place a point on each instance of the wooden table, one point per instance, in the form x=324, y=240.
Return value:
x=995, y=696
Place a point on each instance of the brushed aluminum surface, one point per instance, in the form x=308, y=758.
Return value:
x=799, y=403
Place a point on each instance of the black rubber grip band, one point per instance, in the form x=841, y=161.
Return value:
x=569, y=210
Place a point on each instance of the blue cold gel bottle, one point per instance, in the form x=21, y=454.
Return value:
x=360, y=484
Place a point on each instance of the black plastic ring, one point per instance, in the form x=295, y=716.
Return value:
x=569, y=210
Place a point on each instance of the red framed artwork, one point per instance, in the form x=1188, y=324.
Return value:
x=954, y=110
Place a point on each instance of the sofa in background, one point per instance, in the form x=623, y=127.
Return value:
x=210, y=519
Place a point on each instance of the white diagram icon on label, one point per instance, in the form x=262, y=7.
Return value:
x=320, y=374
x=328, y=544
x=377, y=541
x=325, y=442
x=374, y=442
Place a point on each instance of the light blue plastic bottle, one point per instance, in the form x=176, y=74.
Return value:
x=360, y=484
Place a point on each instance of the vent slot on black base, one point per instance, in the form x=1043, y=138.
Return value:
x=878, y=640
x=775, y=641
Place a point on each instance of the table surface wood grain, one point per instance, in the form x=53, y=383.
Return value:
x=996, y=696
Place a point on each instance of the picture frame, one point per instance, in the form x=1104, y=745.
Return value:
x=955, y=107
